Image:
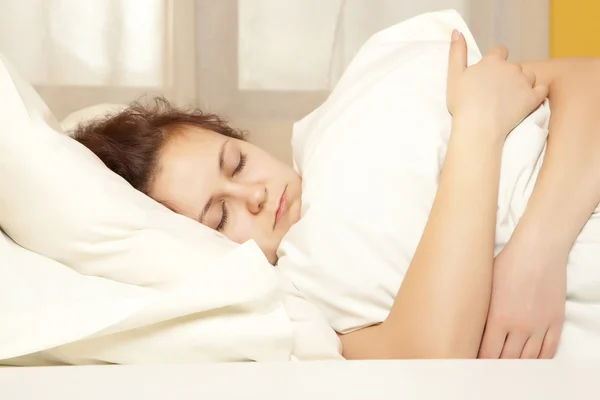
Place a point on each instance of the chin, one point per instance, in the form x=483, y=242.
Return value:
x=272, y=258
x=295, y=214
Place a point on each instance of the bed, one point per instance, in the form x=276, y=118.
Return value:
x=309, y=380
x=110, y=276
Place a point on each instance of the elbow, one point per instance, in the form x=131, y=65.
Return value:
x=429, y=345
x=441, y=350
x=449, y=350
x=453, y=345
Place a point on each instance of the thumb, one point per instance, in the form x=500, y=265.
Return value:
x=457, y=59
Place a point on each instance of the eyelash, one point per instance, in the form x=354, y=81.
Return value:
x=237, y=170
x=241, y=165
x=223, y=221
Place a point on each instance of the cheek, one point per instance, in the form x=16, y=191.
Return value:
x=243, y=228
x=247, y=228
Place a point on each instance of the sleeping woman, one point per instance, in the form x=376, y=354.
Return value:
x=197, y=165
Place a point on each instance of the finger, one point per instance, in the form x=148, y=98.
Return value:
x=530, y=76
x=457, y=59
x=514, y=345
x=550, y=344
x=499, y=51
x=533, y=346
x=540, y=93
x=492, y=343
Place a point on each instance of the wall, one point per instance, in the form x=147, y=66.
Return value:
x=574, y=28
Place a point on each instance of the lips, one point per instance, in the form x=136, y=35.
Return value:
x=282, y=207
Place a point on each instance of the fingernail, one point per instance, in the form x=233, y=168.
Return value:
x=455, y=35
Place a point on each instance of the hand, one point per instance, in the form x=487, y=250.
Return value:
x=498, y=92
x=527, y=309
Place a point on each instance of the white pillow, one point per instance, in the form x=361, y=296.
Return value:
x=70, y=122
x=185, y=292
x=370, y=159
x=65, y=204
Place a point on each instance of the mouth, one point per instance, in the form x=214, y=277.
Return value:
x=282, y=208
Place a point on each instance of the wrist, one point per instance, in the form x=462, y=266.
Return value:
x=541, y=240
x=478, y=130
x=555, y=214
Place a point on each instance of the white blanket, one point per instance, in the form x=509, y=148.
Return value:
x=371, y=158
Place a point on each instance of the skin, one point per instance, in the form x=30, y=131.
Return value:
x=529, y=286
x=451, y=279
x=229, y=185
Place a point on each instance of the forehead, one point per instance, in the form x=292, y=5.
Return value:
x=188, y=167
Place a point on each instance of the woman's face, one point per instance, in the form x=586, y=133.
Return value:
x=229, y=185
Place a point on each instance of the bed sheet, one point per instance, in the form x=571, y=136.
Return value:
x=433, y=379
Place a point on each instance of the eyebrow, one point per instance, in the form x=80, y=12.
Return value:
x=222, y=155
x=221, y=164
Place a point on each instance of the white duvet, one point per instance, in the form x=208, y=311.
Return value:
x=371, y=157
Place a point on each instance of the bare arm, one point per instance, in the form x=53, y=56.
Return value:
x=529, y=285
x=441, y=307
x=568, y=188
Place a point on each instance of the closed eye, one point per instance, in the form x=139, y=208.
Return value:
x=224, y=216
x=240, y=165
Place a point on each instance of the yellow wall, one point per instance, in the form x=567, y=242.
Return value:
x=574, y=28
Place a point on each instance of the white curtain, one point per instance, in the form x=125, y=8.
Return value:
x=261, y=63
x=82, y=52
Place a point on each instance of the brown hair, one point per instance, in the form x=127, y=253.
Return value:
x=130, y=141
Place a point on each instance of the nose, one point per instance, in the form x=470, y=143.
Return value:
x=255, y=196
